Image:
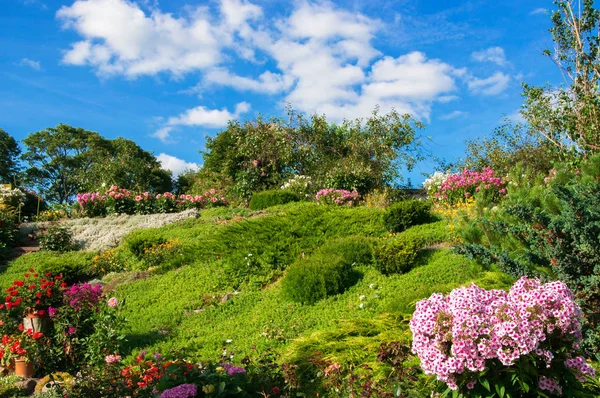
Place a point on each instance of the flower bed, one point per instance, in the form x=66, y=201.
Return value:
x=122, y=201
x=339, y=197
x=521, y=340
x=446, y=188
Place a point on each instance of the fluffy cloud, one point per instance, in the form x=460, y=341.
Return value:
x=120, y=38
x=201, y=116
x=493, y=54
x=176, y=165
x=537, y=11
x=453, y=115
x=267, y=82
x=492, y=85
x=319, y=57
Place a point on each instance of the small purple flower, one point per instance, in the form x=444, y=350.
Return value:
x=232, y=370
x=157, y=356
x=181, y=391
x=71, y=330
x=52, y=312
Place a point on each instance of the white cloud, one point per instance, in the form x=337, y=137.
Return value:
x=268, y=82
x=493, y=54
x=30, y=63
x=537, y=11
x=176, y=165
x=492, y=85
x=200, y=116
x=120, y=38
x=453, y=115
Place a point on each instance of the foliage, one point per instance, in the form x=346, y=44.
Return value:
x=354, y=155
x=328, y=271
x=65, y=160
x=9, y=158
x=403, y=215
x=397, y=253
x=8, y=232
x=106, y=262
x=139, y=244
x=264, y=199
x=58, y=239
x=159, y=253
x=568, y=117
x=483, y=342
x=9, y=387
x=508, y=145
x=73, y=266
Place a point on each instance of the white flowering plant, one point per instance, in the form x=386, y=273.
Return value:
x=12, y=197
x=301, y=185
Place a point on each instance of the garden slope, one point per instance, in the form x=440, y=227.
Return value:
x=225, y=296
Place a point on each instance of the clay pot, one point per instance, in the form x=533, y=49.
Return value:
x=36, y=322
x=23, y=368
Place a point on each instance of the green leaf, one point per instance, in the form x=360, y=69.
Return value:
x=486, y=384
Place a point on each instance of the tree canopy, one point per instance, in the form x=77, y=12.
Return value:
x=9, y=157
x=358, y=154
x=65, y=160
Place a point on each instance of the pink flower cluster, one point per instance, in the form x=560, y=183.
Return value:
x=118, y=193
x=89, y=197
x=466, y=184
x=337, y=196
x=461, y=332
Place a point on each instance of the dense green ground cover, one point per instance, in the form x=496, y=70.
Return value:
x=179, y=306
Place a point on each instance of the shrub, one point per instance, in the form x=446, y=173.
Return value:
x=405, y=214
x=139, y=243
x=58, y=239
x=73, y=266
x=328, y=271
x=527, y=339
x=397, y=254
x=106, y=262
x=452, y=188
x=264, y=199
x=301, y=185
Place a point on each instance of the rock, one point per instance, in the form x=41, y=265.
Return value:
x=28, y=385
x=226, y=298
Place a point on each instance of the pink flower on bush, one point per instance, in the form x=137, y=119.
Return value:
x=113, y=302
x=337, y=196
x=461, y=333
x=112, y=358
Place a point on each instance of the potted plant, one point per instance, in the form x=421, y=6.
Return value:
x=35, y=294
x=20, y=351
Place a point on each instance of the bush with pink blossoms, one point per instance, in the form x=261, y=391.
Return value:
x=514, y=343
x=454, y=188
x=339, y=197
x=121, y=201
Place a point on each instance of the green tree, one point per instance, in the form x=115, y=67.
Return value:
x=59, y=160
x=9, y=157
x=508, y=145
x=66, y=160
x=360, y=154
x=568, y=117
x=123, y=163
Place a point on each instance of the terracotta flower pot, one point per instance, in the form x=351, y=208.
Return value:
x=36, y=322
x=23, y=368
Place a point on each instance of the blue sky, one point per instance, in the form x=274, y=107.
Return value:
x=167, y=73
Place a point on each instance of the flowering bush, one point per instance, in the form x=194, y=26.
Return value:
x=453, y=188
x=12, y=197
x=300, y=185
x=86, y=326
x=516, y=341
x=121, y=201
x=338, y=197
x=35, y=293
x=21, y=346
x=157, y=253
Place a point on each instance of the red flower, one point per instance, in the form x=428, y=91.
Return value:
x=38, y=294
x=275, y=390
x=31, y=270
x=35, y=275
x=41, y=312
x=37, y=335
x=21, y=327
